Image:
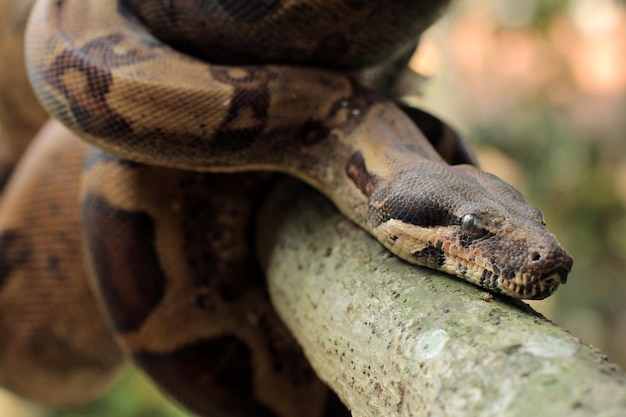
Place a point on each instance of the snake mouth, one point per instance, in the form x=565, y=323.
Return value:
x=550, y=281
x=557, y=276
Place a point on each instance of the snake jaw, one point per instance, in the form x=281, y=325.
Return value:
x=533, y=276
x=550, y=281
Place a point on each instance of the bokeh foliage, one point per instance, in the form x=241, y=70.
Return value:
x=540, y=88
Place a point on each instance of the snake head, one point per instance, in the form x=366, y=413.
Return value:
x=470, y=224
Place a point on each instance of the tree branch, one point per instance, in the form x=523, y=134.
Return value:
x=396, y=340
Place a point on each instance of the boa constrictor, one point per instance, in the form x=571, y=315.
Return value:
x=165, y=211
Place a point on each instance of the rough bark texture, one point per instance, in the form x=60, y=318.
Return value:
x=395, y=340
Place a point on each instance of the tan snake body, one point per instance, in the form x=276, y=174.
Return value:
x=165, y=227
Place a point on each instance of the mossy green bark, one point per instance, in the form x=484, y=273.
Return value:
x=396, y=340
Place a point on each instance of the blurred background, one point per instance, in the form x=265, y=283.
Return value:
x=539, y=87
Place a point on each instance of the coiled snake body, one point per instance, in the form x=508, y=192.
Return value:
x=164, y=232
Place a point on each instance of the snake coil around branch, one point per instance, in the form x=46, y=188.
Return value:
x=129, y=229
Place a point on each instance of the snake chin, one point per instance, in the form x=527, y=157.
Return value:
x=532, y=287
x=521, y=285
x=551, y=281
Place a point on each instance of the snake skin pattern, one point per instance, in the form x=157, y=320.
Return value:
x=189, y=109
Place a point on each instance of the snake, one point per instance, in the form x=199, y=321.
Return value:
x=125, y=226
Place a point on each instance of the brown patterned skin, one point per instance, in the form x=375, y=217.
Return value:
x=164, y=228
x=55, y=347
x=185, y=294
x=121, y=89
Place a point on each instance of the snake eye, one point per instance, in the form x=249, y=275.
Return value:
x=471, y=226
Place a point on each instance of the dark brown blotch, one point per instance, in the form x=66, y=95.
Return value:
x=249, y=11
x=356, y=107
x=210, y=377
x=15, y=251
x=251, y=97
x=313, y=132
x=360, y=176
x=88, y=101
x=431, y=257
x=286, y=354
x=215, y=226
x=125, y=261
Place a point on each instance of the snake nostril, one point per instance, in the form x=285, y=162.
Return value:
x=535, y=256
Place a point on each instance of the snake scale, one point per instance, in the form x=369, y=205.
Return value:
x=179, y=114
